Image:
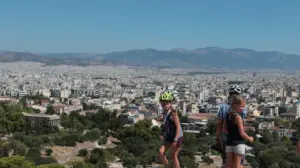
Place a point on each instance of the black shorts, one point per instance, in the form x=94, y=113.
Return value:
x=178, y=144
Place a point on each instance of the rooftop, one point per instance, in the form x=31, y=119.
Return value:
x=54, y=116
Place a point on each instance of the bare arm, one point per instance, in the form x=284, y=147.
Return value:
x=177, y=123
x=239, y=123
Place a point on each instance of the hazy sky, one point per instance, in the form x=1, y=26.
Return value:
x=117, y=25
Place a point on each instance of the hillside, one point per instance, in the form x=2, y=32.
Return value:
x=205, y=57
x=175, y=58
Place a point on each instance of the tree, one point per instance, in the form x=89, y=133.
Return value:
x=79, y=164
x=93, y=135
x=130, y=161
x=252, y=161
x=187, y=162
x=275, y=137
x=49, y=152
x=100, y=155
x=266, y=137
x=15, y=162
x=18, y=136
x=190, y=143
x=268, y=159
x=286, y=141
x=207, y=159
x=184, y=119
x=82, y=152
x=258, y=148
x=212, y=127
x=205, y=143
x=19, y=148
x=5, y=148
x=102, y=140
x=33, y=141
x=50, y=110
x=33, y=154
x=44, y=160
x=51, y=166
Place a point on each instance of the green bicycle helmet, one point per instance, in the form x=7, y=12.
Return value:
x=166, y=96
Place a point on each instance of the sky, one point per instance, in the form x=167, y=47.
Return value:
x=50, y=26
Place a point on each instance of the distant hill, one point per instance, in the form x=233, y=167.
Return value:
x=175, y=58
x=206, y=57
x=60, y=59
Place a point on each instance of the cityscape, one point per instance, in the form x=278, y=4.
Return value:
x=149, y=84
x=53, y=110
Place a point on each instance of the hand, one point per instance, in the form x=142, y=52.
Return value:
x=161, y=137
x=174, y=144
x=251, y=139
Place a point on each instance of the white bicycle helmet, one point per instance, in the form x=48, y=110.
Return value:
x=235, y=89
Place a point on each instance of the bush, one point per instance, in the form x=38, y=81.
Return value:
x=82, y=152
x=44, y=160
x=102, y=141
x=48, y=152
x=15, y=161
x=51, y=166
x=207, y=159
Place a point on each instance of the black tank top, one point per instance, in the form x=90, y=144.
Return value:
x=233, y=137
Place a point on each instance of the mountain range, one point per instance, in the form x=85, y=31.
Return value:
x=209, y=57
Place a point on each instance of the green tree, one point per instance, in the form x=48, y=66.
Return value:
x=51, y=166
x=83, y=152
x=79, y=164
x=268, y=160
x=44, y=160
x=212, y=126
x=49, y=152
x=33, y=141
x=15, y=162
x=93, y=135
x=275, y=136
x=190, y=143
x=50, y=110
x=33, y=154
x=258, y=148
x=187, y=162
x=266, y=137
x=286, y=141
x=102, y=140
x=207, y=159
x=5, y=148
x=100, y=155
x=130, y=161
x=252, y=161
x=184, y=119
x=18, y=136
x=19, y=148
x=205, y=143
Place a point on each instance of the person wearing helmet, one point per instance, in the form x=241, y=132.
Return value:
x=221, y=136
x=171, y=134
